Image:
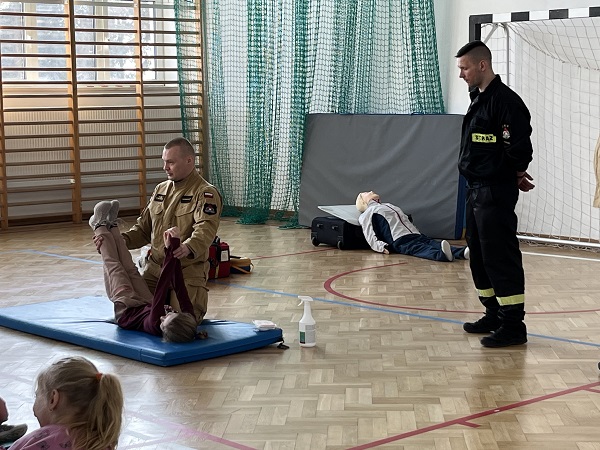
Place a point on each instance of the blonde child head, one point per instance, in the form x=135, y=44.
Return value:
x=178, y=327
x=71, y=392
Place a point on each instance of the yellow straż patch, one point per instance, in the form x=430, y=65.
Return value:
x=485, y=138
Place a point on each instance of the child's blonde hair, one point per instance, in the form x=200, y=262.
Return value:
x=94, y=401
x=181, y=328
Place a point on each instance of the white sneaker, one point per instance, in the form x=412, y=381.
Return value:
x=113, y=213
x=467, y=253
x=100, y=216
x=447, y=250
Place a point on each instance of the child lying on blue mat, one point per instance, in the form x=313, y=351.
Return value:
x=134, y=305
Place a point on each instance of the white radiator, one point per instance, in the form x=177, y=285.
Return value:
x=40, y=156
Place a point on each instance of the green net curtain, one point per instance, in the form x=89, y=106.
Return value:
x=189, y=69
x=269, y=63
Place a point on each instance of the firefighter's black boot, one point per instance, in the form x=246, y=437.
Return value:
x=512, y=331
x=490, y=322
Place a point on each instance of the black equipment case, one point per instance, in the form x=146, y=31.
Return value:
x=337, y=232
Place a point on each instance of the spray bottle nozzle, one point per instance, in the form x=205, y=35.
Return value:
x=304, y=298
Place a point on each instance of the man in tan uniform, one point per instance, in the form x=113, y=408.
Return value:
x=187, y=201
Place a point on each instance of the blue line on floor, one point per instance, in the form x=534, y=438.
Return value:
x=54, y=255
x=395, y=311
x=324, y=300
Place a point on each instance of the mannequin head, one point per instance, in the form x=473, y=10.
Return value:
x=364, y=198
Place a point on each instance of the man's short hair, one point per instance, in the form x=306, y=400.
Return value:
x=476, y=50
x=184, y=145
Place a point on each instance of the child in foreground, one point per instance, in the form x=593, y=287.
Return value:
x=78, y=408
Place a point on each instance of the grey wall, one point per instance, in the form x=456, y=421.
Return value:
x=410, y=160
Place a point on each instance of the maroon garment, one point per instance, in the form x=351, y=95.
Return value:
x=147, y=317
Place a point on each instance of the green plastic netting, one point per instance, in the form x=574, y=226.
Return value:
x=269, y=63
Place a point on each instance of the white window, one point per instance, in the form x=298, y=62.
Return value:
x=36, y=42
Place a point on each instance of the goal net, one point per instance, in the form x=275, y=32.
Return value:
x=554, y=65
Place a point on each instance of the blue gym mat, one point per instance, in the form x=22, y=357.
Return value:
x=86, y=321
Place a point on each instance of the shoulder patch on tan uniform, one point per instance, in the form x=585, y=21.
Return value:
x=210, y=209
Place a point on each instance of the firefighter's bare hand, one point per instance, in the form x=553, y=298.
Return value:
x=524, y=181
x=98, y=239
x=182, y=251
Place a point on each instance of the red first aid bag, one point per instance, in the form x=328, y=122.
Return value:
x=219, y=258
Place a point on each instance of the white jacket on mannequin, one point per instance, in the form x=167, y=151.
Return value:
x=400, y=224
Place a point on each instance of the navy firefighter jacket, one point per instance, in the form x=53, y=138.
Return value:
x=496, y=130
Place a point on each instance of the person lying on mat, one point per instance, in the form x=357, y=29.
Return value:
x=78, y=408
x=136, y=308
x=388, y=230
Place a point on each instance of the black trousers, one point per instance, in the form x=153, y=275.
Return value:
x=496, y=261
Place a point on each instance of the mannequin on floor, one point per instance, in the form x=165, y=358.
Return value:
x=389, y=230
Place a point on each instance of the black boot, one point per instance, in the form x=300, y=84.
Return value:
x=512, y=331
x=489, y=322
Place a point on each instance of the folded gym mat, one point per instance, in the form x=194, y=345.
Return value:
x=349, y=213
x=88, y=322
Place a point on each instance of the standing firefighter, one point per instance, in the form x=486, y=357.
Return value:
x=495, y=153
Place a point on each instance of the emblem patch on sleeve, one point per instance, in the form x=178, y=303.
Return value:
x=159, y=198
x=209, y=209
x=505, y=132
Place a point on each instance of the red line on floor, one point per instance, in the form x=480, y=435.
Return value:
x=329, y=288
x=464, y=420
x=188, y=431
x=292, y=254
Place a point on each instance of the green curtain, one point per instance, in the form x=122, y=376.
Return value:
x=269, y=63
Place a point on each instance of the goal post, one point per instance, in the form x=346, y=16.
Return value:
x=552, y=60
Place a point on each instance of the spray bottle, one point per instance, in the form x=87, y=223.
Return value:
x=307, y=324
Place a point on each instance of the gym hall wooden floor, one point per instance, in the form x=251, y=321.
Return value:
x=392, y=368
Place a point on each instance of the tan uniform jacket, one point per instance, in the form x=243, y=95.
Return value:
x=193, y=205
